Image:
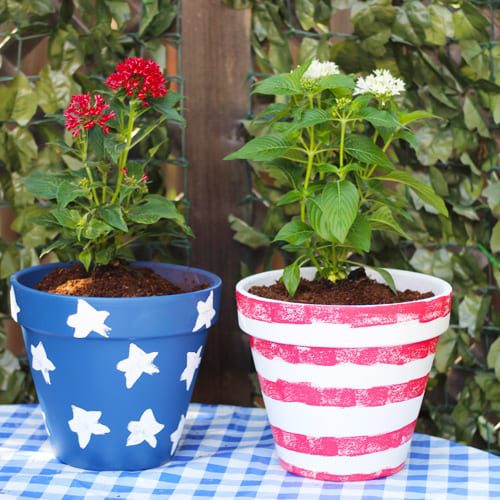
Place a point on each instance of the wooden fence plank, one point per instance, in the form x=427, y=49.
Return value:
x=216, y=58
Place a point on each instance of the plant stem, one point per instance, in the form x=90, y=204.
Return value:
x=310, y=161
x=341, y=149
x=87, y=168
x=122, y=162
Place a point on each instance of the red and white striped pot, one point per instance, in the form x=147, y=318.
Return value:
x=343, y=385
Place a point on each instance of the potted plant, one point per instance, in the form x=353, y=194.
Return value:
x=114, y=347
x=342, y=355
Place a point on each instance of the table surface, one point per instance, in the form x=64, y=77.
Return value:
x=228, y=452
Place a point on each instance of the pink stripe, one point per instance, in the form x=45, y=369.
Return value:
x=345, y=446
x=323, y=476
x=356, y=316
x=329, y=356
x=304, y=392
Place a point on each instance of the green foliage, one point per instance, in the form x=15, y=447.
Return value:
x=85, y=40
x=338, y=185
x=443, y=52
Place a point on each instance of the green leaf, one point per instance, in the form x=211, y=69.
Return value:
x=96, y=228
x=360, y=234
x=288, y=198
x=473, y=119
x=339, y=203
x=408, y=117
x=66, y=217
x=386, y=276
x=295, y=232
x=383, y=220
x=331, y=82
x=247, y=235
x=310, y=118
x=424, y=192
x=67, y=192
x=114, y=217
x=263, y=148
x=85, y=257
x=495, y=238
x=43, y=185
x=446, y=351
x=291, y=278
x=154, y=208
x=379, y=118
x=285, y=84
x=363, y=149
x=55, y=245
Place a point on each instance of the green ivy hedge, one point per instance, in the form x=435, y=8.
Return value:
x=447, y=53
x=84, y=41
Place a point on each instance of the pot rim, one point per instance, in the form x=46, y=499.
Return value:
x=244, y=284
x=213, y=280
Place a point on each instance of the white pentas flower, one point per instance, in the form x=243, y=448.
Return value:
x=380, y=83
x=318, y=69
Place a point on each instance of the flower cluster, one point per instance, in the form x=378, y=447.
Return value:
x=139, y=78
x=319, y=69
x=380, y=83
x=82, y=113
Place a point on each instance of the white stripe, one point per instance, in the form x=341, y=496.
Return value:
x=344, y=375
x=360, y=464
x=331, y=421
x=328, y=335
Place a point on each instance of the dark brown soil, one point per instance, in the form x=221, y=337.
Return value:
x=114, y=280
x=356, y=289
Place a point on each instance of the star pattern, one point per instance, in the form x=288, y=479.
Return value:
x=14, y=308
x=144, y=429
x=137, y=363
x=193, y=360
x=85, y=424
x=40, y=362
x=206, y=313
x=87, y=320
x=175, y=437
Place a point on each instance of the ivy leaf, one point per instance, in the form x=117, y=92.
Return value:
x=154, y=208
x=423, y=191
x=24, y=105
x=291, y=278
x=263, y=148
x=360, y=234
x=493, y=358
x=383, y=220
x=363, y=149
x=473, y=119
x=295, y=232
x=114, y=217
x=43, y=185
x=247, y=235
x=339, y=203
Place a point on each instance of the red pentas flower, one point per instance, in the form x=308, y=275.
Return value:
x=83, y=112
x=140, y=78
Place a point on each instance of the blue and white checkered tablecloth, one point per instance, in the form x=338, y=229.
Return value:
x=227, y=452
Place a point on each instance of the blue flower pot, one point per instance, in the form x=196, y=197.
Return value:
x=114, y=376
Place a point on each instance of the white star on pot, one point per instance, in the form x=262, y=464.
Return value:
x=206, y=313
x=87, y=320
x=144, y=429
x=40, y=361
x=176, y=435
x=85, y=423
x=14, y=308
x=193, y=360
x=137, y=363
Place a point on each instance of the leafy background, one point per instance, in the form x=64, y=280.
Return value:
x=50, y=51
x=448, y=54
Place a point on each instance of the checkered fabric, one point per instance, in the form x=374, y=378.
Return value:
x=228, y=452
